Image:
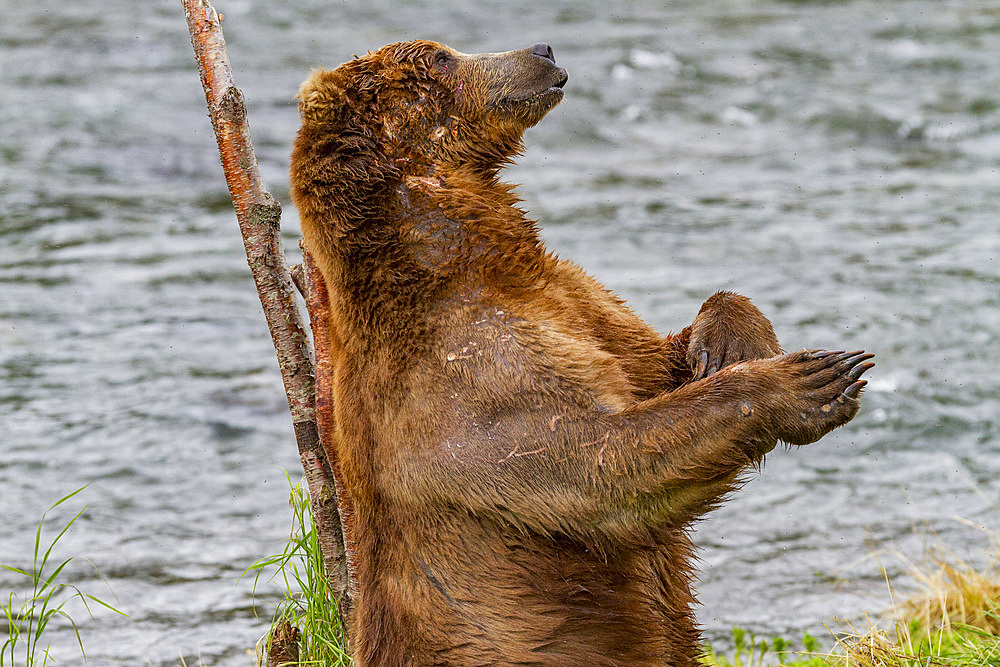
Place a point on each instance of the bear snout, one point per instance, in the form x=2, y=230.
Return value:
x=544, y=51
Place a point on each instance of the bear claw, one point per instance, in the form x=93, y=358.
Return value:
x=850, y=356
x=702, y=363
x=855, y=389
x=860, y=369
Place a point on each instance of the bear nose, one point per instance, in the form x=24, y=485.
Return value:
x=543, y=50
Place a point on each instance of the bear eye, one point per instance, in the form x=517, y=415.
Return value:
x=443, y=59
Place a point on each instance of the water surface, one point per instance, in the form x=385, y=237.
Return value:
x=835, y=161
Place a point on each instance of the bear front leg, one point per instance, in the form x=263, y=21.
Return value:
x=550, y=468
x=728, y=329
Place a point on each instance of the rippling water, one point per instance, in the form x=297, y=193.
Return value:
x=836, y=161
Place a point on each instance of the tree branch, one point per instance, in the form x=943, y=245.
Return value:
x=259, y=215
x=318, y=303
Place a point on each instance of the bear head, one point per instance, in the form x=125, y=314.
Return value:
x=425, y=107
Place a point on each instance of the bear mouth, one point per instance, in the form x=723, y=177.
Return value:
x=549, y=96
x=557, y=88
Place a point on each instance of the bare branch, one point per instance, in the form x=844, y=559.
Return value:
x=299, y=278
x=318, y=304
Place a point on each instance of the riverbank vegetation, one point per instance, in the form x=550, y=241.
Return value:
x=952, y=620
x=40, y=606
x=308, y=609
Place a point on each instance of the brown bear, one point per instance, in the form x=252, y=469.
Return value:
x=525, y=455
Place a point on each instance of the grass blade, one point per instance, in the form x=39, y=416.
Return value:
x=30, y=618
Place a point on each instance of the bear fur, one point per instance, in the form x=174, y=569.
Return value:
x=524, y=454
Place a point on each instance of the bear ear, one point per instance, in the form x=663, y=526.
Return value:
x=331, y=96
x=321, y=97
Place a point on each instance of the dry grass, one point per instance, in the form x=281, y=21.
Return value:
x=954, y=592
x=953, y=619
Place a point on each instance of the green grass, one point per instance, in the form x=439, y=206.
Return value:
x=32, y=614
x=909, y=645
x=953, y=620
x=748, y=651
x=308, y=603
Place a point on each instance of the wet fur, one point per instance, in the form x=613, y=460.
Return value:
x=524, y=454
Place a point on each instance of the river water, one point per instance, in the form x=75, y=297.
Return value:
x=838, y=162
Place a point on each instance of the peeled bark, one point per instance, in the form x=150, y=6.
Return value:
x=259, y=215
x=318, y=304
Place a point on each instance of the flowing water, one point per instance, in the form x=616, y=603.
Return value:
x=835, y=161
